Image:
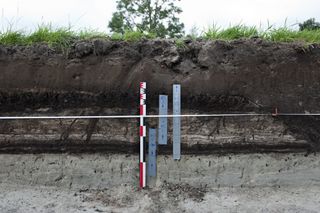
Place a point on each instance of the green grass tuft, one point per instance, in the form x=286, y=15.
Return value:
x=288, y=35
x=132, y=36
x=180, y=44
x=12, y=38
x=62, y=37
x=231, y=33
x=91, y=34
x=282, y=34
x=116, y=37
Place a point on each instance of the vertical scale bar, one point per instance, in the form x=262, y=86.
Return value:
x=176, y=121
x=163, y=122
x=152, y=158
x=143, y=96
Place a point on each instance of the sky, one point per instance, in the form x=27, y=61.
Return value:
x=26, y=15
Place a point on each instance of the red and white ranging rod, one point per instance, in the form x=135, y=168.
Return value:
x=143, y=97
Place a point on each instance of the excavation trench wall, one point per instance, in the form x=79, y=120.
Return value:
x=97, y=160
x=100, y=77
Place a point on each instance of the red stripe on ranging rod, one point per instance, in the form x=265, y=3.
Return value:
x=143, y=96
x=141, y=109
x=141, y=131
x=143, y=85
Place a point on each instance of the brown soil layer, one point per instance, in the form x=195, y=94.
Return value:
x=102, y=77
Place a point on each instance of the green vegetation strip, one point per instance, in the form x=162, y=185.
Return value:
x=282, y=34
x=64, y=37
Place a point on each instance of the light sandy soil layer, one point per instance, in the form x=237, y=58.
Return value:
x=108, y=183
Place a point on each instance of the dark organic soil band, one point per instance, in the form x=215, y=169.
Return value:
x=119, y=147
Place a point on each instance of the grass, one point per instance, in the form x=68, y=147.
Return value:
x=287, y=35
x=12, y=37
x=180, y=44
x=90, y=34
x=231, y=33
x=132, y=36
x=63, y=37
x=282, y=34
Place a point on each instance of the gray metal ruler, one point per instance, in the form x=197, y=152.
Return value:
x=163, y=121
x=176, y=122
x=152, y=154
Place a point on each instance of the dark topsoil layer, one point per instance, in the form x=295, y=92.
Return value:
x=216, y=76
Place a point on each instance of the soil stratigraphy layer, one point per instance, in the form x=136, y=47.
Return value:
x=100, y=77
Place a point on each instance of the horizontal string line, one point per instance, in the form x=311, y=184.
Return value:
x=151, y=116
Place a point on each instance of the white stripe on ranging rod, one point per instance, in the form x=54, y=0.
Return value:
x=150, y=116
